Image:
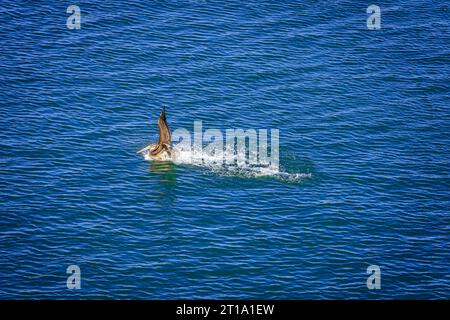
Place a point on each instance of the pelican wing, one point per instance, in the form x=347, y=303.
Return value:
x=165, y=138
x=164, y=131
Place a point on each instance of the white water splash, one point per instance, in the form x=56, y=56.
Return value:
x=215, y=163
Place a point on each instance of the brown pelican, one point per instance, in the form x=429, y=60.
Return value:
x=163, y=149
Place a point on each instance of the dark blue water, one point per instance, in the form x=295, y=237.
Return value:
x=364, y=126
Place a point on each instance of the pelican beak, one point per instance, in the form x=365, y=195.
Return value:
x=145, y=149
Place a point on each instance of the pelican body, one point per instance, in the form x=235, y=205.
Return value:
x=162, y=150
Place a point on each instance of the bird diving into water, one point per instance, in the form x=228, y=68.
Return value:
x=163, y=149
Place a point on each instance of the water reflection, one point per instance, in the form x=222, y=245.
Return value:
x=165, y=172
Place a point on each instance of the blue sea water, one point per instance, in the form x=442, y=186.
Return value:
x=364, y=126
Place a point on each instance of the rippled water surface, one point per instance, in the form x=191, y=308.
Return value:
x=364, y=146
